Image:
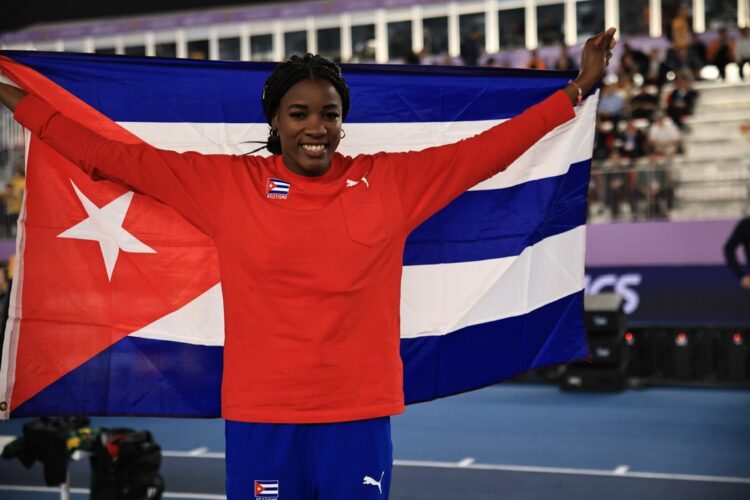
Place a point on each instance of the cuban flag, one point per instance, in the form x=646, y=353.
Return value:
x=117, y=303
x=266, y=488
x=276, y=188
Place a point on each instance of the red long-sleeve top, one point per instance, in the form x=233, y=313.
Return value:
x=311, y=282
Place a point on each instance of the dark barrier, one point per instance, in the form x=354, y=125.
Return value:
x=718, y=356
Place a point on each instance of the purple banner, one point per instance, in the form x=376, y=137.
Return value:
x=658, y=243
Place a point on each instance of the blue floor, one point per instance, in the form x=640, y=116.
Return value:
x=703, y=432
x=673, y=430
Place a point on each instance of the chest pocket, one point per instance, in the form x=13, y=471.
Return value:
x=364, y=214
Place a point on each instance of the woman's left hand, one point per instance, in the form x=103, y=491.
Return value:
x=595, y=58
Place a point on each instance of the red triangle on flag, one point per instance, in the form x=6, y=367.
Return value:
x=70, y=310
x=66, y=309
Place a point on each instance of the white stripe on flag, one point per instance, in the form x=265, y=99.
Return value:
x=436, y=299
x=199, y=322
x=551, y=156
x=442, y=298
x=571, y=142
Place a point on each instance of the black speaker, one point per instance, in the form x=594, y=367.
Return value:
x=604, y=313
x=605, y=325
x=606, y=349
x=583, y=377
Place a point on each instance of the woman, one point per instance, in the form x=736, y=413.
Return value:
x=310, y=245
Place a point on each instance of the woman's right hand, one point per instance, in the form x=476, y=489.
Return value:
x=10, y=96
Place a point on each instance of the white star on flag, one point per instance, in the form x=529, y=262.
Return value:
x=105, y=226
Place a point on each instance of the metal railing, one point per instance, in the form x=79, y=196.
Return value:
x=631, y=193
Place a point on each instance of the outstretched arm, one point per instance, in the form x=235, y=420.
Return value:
x=190, y=183
x=429, y=179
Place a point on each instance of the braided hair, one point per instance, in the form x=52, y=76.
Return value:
x=287, y=74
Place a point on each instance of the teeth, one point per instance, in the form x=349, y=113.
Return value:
x=314, y=148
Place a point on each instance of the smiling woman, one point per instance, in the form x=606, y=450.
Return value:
x=310, y=245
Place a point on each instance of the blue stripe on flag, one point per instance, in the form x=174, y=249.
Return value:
x=137, y=376
x=434, y=366
x=167, y=90
x=480, y=355
x=497, y=223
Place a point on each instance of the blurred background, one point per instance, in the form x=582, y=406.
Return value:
x=664, y=409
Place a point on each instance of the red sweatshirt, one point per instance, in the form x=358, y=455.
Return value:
x=311, y=279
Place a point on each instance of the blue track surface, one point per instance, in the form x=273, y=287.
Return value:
x=680, y=430
x=698, y=432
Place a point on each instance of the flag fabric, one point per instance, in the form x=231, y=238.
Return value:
x=117, y=303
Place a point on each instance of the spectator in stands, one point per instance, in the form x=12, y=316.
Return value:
x=682, y=59
x=564, y=61
x=535, y=62
x=739, y=237
x=6, y=281
x=626, y=88
x=400, y=46
x=656, y=70
x=471, y=47
x=618, y=195
x=655, y=188
x=681, y=31
x=632, y=141
x=593, y=201
x=681, y=101
x=550, y=29
x=632, y=62
x=610, y=104
x=742, y=50
x=413, y=58
x=721, y=52
x=663, y=138
x=604, y=139
x=4, y=285
x=448, y=61
x=655, y=183
x=13, y=198
x=645, y=104
x=698, y=50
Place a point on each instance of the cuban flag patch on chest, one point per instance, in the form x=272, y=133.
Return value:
x=266, y=490
x=276, y=188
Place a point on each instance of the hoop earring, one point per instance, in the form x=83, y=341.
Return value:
x=343, y=133
x=274, y=132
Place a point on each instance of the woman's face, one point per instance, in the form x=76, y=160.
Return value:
x=309, y=125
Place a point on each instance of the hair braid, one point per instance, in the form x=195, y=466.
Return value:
x=287, y=74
